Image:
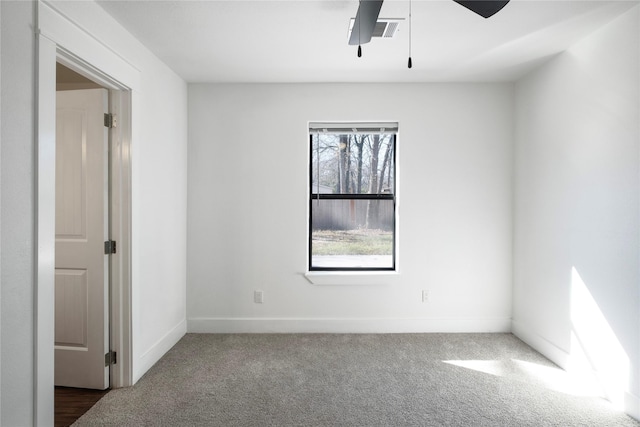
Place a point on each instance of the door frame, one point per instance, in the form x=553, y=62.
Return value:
x=59, y=40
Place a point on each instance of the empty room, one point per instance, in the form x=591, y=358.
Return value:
x=321, y=212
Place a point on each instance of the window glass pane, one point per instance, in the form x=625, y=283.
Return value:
x=352, y=163
x=352, y=233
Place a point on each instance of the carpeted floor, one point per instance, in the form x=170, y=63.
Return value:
x=354, y=380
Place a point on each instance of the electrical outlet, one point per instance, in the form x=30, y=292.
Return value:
x=425, y=295
x=258, y=297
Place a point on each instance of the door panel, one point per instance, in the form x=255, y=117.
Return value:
x=71, y=308
x=71, y=174
x=81, y=291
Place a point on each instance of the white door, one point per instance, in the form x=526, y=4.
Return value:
x=81, y=279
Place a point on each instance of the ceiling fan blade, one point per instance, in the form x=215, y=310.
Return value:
x=485, y=9
x=365, y=22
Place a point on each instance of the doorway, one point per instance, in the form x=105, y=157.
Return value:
x=82, y=268
x=74, y=76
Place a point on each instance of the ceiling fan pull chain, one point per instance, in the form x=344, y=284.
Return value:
x=409, y=63
x=359, y=19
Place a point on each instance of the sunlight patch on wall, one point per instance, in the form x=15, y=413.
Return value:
x=593, y=343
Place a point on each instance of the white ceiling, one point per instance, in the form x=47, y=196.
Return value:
x=306, y=40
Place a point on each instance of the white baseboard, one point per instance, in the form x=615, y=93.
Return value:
x=548, y=349
x=346, y=325
x=157, y=350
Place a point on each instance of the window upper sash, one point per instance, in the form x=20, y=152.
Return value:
x=353, y=164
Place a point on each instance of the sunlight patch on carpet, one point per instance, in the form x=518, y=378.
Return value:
x=550, y=377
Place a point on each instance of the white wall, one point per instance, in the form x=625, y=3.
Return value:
x=577, y=284
x=247, y=208
x=16, y=209
x=159, y=197
x=160, y=218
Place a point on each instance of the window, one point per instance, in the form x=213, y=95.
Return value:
x=352, y=203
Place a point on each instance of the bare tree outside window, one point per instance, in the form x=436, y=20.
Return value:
x=352, y=224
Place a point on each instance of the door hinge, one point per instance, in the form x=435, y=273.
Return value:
x=110, y=121
x=110, y=358
x=110, y=247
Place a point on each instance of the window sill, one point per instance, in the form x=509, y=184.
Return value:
x=352, y=277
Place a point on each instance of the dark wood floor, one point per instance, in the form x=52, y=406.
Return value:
x=71, y=403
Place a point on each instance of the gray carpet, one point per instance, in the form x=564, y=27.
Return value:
x=351, y=380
